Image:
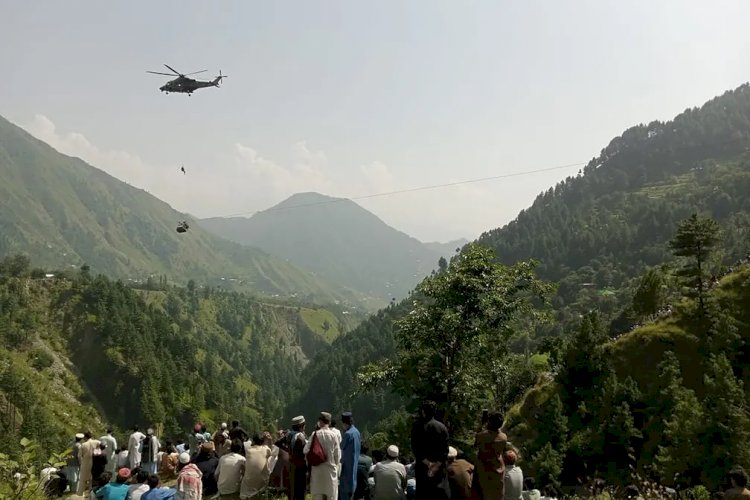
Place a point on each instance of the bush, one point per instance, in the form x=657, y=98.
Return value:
x=41, y=359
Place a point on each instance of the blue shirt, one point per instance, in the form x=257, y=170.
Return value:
x=350, y=444
x=113, y=491
x=159, y=494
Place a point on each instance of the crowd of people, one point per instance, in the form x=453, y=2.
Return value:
x=329, y=463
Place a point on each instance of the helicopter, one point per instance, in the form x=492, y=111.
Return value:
x=184, y=84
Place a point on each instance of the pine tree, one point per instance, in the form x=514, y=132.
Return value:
x=726, y=435
x=695, y=239
x=649, y=296
x=678, y=457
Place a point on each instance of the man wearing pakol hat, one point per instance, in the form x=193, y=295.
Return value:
x=207, y=462
x=324, y=477
x=350, y=445
x=296, y=441
x=390, y=477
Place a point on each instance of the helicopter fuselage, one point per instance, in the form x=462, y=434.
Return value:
x=187, y=85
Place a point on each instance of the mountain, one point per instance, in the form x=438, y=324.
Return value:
x=448, y=249
x=81, y=351
x=64, y=213
x=337, y=239
x=594, y=234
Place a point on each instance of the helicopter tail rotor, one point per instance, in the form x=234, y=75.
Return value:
x=218, y=79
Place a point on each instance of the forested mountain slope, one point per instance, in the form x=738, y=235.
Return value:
x=167, y=356
x=668, y=399
x=616, y=217
x=338, y=240
x=62, y=213
x=595, y=233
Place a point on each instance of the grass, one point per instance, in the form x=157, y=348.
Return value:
x=322, y=322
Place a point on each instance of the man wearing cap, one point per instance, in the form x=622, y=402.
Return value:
x=116, y=490
x=324, y=477
x=350, y=446
x=296, y=441
x=189, y=480
x=207, y=461
x=460, y=476
x=73, y=467
x=390, y=477
x=150, y=451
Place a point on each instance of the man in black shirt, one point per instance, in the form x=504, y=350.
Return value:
x=429, y=443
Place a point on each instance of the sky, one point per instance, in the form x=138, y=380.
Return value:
x=353, y=98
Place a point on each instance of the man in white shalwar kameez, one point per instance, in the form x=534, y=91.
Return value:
x=134, y=447
x=324, y=478
x=111, y=452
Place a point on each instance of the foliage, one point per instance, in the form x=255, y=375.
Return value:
x=459, y=323
x=19, y=477
x=695, y=239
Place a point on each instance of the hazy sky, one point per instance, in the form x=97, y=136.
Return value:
x=351, y=98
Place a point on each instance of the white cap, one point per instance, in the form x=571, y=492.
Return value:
x=452, y=452
x=223, y=425
x=392, y=451
x=184, y=458
x=79, y=436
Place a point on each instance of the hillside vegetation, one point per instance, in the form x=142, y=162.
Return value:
x=593, y=235
x=75, y=346
x=64, y=213
x=338, y=240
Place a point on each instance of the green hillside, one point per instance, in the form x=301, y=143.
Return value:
x=337, y=239
x=594, y=234
x=82, y=350
x=63, y=213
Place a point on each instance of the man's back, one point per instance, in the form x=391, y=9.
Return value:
x=513, y=483
x=229, y=473
x=390, y=480
x=739, y=493
x=460, y=476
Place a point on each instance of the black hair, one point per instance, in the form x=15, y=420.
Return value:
x=104, y=478
x=153, y=481
x=87, y=435
x=347, y=419
x=237, y=445
x=142, y=476
x=235, y=423
x=257, y=439
x=102, y=446
x=631, y=491
x=135, y=428
x=364, y=448
x=739, y=476
x=529, y=483
x=298, y=427
x=109, y=430
x=333, y=423
x=429, y=408
x=495, y=421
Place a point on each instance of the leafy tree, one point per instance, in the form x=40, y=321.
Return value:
x=695, y=239
x=456, y=316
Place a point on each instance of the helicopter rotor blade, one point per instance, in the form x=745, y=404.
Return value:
x=157, y=73
x=174, y=70
x=195, y=72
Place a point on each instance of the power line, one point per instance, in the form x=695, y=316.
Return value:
x=412, y=190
